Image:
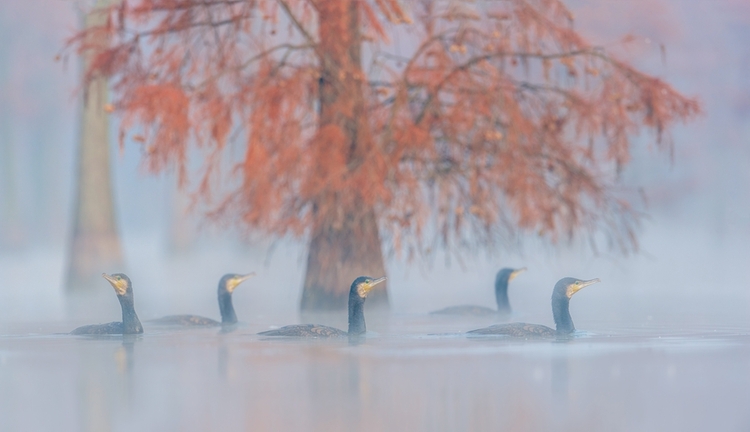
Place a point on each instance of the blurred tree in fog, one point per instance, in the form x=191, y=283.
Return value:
x=11, y=227
x=94, y=245
x=488, y=118
x=182, y=231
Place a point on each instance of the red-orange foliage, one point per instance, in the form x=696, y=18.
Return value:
x=495, y=115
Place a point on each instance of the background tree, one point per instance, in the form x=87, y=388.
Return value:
x=488, y=119
x=12, y=233
x=95, y=244
x=12, y=230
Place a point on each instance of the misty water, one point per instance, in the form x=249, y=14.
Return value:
x=401, y=379
x=611, y=377
x=663, y=343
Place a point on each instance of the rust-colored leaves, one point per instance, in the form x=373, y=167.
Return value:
x=497, y=118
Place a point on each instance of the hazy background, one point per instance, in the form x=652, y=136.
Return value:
x=692, y=267
x=667, y=343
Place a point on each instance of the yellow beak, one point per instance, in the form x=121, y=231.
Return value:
x=365, y=288
x=579, y=285
x=515, y=273
x=120, y=286
x=232, y=283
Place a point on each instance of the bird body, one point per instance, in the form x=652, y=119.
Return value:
x=466, y=310
x=357, y=296
x=100, y=329
x=186, y=320
x=561, y=294
x=502, y=279
x=227, y=284
x=520, y=330
x=130, y=323
x=306, y=330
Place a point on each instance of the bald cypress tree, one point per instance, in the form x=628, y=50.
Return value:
x=94, y=243
x=491, y=117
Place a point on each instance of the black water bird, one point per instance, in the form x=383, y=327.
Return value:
x=503, y=277
x=130, y=323
x=563, y=291
x=227, y=284
x=357, y=296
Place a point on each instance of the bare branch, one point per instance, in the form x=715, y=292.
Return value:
x=310, y=40
x=253, y=59
x=475, y=60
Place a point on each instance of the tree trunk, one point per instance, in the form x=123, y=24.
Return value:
x=12, y=233
x=45, y=181
x=182, y=229
x=95, y=245
x=337, y=256
x=345, y=242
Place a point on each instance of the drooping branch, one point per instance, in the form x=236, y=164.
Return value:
x=297, y=24
x=499, y=118
x=258, y=57
x=528, y=136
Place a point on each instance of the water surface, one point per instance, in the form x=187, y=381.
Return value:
x=413, y=373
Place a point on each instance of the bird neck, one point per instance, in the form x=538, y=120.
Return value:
x=226, y=308
x=356, y=314
x=501, y=295
x=561, y=313
x=130, y=322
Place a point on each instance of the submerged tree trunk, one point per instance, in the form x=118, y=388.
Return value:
x=95, y=245
x=182, y=229
x=12, y=233
x=337, y=256
x=345, y=241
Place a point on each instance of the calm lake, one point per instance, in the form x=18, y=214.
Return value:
x=413, y=373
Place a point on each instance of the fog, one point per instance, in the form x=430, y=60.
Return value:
x=665, y=336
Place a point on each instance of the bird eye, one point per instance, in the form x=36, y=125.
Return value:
x=118, y=277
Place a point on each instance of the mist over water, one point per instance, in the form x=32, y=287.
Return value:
x=664, y=339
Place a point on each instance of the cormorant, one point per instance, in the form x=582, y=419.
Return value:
x=563, y=291
x=227, y=284
x=502, y=279
x=357, y=296
x=130, y=323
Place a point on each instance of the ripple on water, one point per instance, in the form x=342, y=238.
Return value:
x=585, y=343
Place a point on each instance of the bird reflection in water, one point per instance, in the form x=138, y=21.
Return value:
x=124, y=355
x=223, y=361
x=335, y=378
x=125, y=361
x=560, y=378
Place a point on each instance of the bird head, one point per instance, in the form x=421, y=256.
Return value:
x=569, y=286
x=119, y=281
x=515, y=272
x=508, y=274
x=230, y=281
x=363, y=284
